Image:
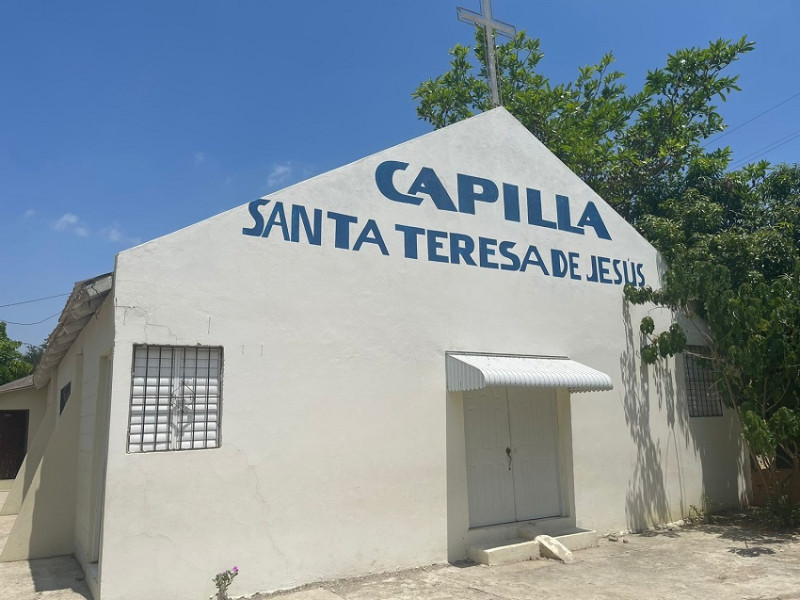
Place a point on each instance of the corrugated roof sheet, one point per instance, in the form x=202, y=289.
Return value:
x=17, y=384
x=84, y=301
x=477, y=371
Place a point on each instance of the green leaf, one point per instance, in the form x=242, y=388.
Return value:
x=647, y=326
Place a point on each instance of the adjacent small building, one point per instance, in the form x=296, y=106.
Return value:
x=22, y=408
x=374, y=369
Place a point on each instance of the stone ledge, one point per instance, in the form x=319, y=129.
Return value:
x=509, y=553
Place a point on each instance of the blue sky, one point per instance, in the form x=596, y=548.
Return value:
x=124, y=121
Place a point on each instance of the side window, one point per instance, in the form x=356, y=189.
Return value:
x=64, y=397
x=701, y=393
x=176, y=398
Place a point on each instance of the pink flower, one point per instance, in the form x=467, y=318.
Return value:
x=235, y=569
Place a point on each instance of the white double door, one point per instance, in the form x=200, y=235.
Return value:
x=513, y=471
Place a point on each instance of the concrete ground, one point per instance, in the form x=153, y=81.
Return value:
x=57, y=578
x=720, y=560
x=6, y=521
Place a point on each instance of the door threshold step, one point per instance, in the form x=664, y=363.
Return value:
x=516, y=551
x=574, y=539
x=541, y=546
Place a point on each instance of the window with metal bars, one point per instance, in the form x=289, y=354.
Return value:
x=701, y=393
x=176, y=398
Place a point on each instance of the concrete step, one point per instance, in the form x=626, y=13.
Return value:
x=516, y=551
x=532, y=546
x=574, y=540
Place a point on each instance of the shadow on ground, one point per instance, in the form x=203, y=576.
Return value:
x=58, y=578
x=754, y=539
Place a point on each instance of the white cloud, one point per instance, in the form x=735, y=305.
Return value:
x=199, y=157
x=279, y=174
x=29, y=214
x=112, y=234
x=115, y=235
x=66, y=221
x=71, y=223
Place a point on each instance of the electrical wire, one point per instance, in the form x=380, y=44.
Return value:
x=766, y=149
x=723, y=134
x=34, y=323
x=34, y=300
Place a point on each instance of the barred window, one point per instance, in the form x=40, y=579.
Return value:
x=701, y=393
x=176, y=397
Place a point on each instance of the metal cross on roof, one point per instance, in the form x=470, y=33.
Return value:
x=490, y=26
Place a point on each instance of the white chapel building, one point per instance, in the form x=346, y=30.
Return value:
x=379, y=368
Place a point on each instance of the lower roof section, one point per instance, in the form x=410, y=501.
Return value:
x=84, y=301
x=476, y=371
x=17, y=384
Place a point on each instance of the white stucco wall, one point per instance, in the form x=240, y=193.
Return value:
x=94, y=347
x=30, y=399
x=336, y=425
x=33, y=456
x=54, y=511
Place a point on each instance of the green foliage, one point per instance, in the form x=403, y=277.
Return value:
x=731, y=239
x=33, y=354
x=223, y=581
x=779, y=511
x=647, y=326
x=703, y=513
x=12, y=364
x=632, y=148
x=661, y=345
x=695, y=515
x=732, y=243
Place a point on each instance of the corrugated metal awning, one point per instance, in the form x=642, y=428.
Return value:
x=476, y=371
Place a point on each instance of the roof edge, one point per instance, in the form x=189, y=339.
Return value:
x=18, y=384
x=84, y=301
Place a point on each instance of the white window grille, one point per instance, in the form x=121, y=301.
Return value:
x=176, y=397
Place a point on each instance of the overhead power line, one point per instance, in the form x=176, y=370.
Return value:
x=758, y=116
x=768, y=148
x=34, y=300
x=34, y=323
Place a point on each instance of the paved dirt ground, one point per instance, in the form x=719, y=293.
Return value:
x=718, y=560
x=724, y=559
x=57, y=578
